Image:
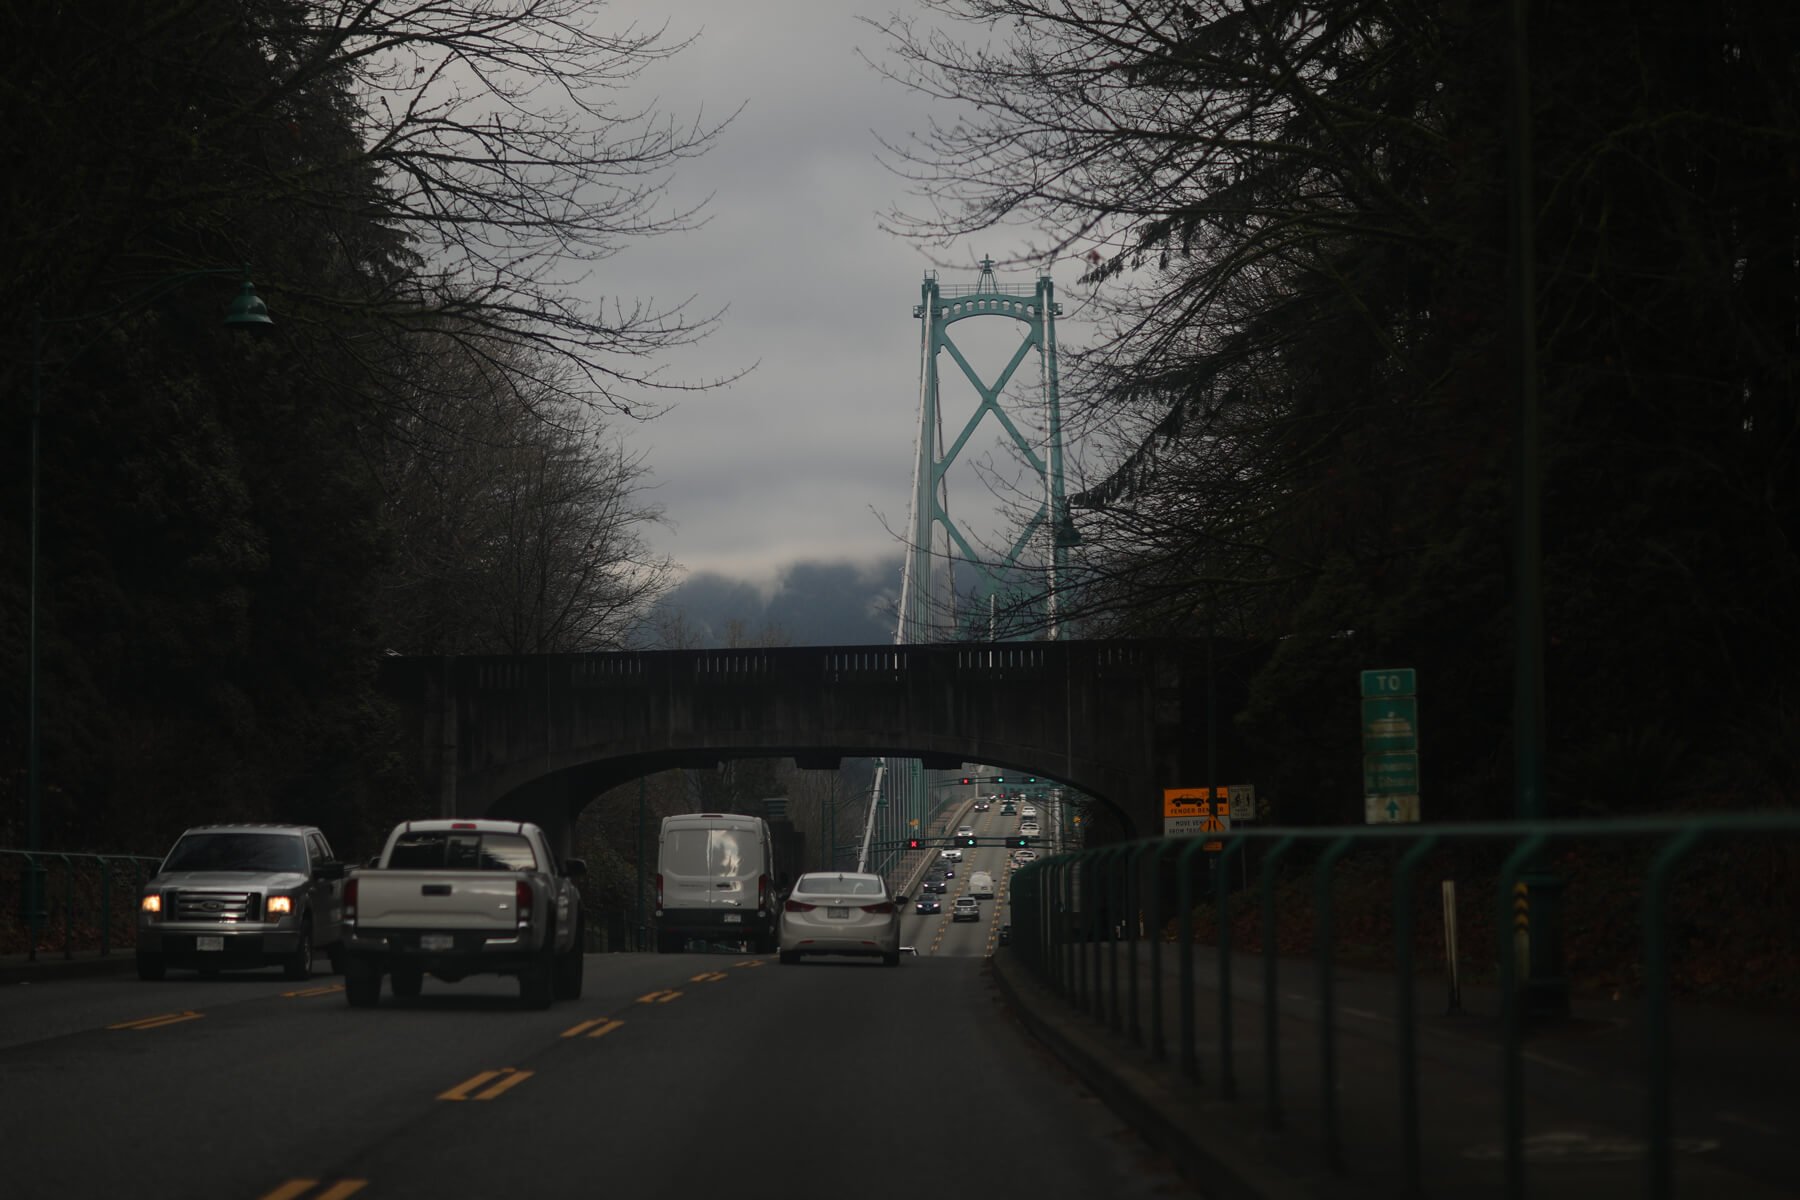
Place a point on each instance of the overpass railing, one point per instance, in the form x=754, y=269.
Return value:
x=79, y=901
x=1094, y=923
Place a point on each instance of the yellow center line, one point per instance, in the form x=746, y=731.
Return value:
x=158, y=1021
x=317, y=991
x=751, y=962
x=342, y=1188
x=661, y=997
x=605, y=1029
x=707, y=977
x=598, y=1027
x=289, y=1190
x=500, y=1080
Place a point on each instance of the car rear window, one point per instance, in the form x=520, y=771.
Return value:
x=841, y=885
x=461, y=850
x=237, y=852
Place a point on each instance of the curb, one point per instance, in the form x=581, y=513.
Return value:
x=1158, y=1106
x=51, y=967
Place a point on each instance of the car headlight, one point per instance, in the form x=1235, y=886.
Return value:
x=279, y=906
x=151, y=903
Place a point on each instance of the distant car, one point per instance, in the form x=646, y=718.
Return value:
x=951, y=855
x=1009, y=809
x=965, y=909
x=1024, y=856
x=965, y=831
x=981, y=806
x=841, y=912
x=937, y=886
x=1028, y=813
x=929, y=904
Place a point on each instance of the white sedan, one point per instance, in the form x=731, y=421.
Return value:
x=951, y=855
x=840, y=912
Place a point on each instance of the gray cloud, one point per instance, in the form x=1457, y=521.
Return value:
x=812, y=603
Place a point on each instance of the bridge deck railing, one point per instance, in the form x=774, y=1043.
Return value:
x=1079, y=919
x=83, y=901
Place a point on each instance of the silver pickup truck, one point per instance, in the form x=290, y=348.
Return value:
x=453, y=898
x=236, y=896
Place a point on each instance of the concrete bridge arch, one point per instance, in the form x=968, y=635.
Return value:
x=537, y=737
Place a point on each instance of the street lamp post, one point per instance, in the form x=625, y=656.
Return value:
x=1546, y=989
x=247, y=311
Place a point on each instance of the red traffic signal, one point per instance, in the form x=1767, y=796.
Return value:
x=966, y=779
x=912, y=843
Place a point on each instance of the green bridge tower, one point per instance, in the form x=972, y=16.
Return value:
x=905, y=796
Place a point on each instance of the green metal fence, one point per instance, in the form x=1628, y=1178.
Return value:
x=1066, y=927
x=82, y=901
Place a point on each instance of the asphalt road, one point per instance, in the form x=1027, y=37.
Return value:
x=717, y=1075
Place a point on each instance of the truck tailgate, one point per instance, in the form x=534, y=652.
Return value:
x=471, y=900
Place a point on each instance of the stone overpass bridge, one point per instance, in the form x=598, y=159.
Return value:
x=537, y=737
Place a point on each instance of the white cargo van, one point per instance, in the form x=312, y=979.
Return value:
x=981, y=885
x=715, y=882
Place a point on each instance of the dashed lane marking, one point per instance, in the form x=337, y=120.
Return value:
x=658, y=997
x=293, y=1189
x=487, y=1085
x=598, y=1027
x=327, y=990
x=158, y=1021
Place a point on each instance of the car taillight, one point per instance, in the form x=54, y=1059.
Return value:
x=659, y=890
x=797, y=906
x=522, y=894
x=350, y=900
x=762, y=892
x=884, y=907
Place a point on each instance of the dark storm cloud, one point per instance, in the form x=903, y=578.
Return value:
x=811, y=604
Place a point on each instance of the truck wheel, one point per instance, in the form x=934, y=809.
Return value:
x=151, y=967
x=298, y=965
x=406, y=982
x=569, y=966
x=362, y=982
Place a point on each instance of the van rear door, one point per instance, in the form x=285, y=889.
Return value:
x=711, y=863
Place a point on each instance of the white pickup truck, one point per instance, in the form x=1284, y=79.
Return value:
x=453, y=898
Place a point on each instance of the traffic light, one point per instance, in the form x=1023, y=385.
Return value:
x=1018, y=841
x=966, y=779
x=999, y=779
x=1033, y=779
x=913, y=843
x=968, y=841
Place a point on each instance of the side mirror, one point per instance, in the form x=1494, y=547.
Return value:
x=575, y=868
x=331, y=868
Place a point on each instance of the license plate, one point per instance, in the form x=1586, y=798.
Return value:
x=734, y=918
x=209, y=943
x=436, y=941
x=842, y=914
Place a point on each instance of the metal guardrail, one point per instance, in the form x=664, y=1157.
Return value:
x=86, y=892
x=1061, y=906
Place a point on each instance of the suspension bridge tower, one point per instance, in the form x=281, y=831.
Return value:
x=934, y=606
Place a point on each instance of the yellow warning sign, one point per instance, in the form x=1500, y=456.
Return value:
x=1188, y=802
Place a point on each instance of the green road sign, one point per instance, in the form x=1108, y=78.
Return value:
x=1390, y=724
x=1387, y=773
x=1390, y=681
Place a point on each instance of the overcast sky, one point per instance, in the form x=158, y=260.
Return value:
x=801, y=460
